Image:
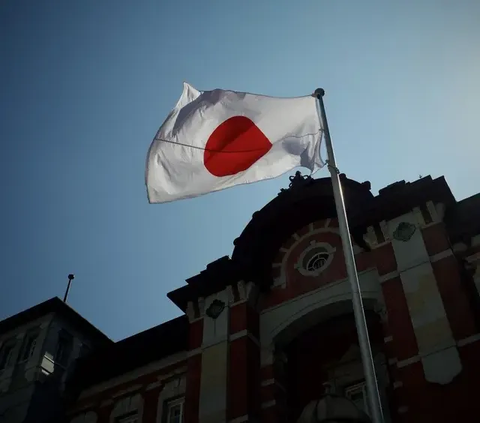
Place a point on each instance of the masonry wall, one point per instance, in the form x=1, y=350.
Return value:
x=426, y=337
x=429, y=321
x=143, y=392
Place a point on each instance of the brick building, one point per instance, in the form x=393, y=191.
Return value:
x=264, y=331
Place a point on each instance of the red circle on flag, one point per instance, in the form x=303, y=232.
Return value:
x=234, y=146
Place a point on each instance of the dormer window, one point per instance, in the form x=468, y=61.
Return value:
x=29, y=346
x=6, y=354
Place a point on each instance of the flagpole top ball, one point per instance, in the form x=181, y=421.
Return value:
x=71, y=276
x=319, y=92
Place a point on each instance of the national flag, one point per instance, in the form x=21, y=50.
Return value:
x=216, y=139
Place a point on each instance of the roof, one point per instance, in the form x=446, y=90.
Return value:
x=305, y=201
x=57, y=306
x=463, y=221
x=131, y=353
x=214, y=278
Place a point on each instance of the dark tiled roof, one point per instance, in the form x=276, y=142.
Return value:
x=463, y=219
x=306, y=201
x=130, y=353
x=54, y=305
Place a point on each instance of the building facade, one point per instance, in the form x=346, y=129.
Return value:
x=265, y=332
x=38, y=351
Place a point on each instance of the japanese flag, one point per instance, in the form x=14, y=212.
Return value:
x=216, y=139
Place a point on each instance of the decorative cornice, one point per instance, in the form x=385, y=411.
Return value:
x=297, y=181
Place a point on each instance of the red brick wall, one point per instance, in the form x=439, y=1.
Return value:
x=455, y=300
x=244, y=363
x=192, y=395
x=195, y=335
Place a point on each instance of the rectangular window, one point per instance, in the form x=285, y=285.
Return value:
x=175, y=411
x=358, y=395
x=64, y=349
x=131, y=418
x=6, y=354
x=29, y=346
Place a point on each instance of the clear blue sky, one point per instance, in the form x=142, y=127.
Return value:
x=84, y=85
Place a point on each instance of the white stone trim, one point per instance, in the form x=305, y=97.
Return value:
x=281, y=280
x=127, y=377
x=380, y=245
x=243, y=333
x=130, y=389
x=190, y=311
x=246, y=292
x=327, y=222
x=267, y=382
x=388, y=339
x=240, y=419
x=268, y=404
x=326, y=301
x=403, y=409
x=216, y=341
x=231, y=296
x=408, y=361
x=194, y=352
x=329, y=249
x=388, y=276
x=371, y=237
x=283, y=250
x=473, y=258
x=385, y=233
x=397, y=384
x=357, y=249
x=153, y=385
x=428, y=225
x=469, y=340
x=433, y=212
x=239, y=334
x=318, y=290
x=311, y=227
x=295, y=236
x=417, y=213
x=441, y=255
x=418, y=357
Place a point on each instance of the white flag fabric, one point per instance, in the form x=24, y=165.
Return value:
x=216, y=139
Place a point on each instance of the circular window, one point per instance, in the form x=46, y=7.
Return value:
x=315, y=259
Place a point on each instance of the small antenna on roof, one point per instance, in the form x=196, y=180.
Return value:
x=71, y=277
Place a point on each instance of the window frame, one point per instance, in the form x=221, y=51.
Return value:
x=355, y=388
x=32, y=338
x=169, y=403
x=6, y=359
x=65, y=340
x=130, y=417
x=312, y=250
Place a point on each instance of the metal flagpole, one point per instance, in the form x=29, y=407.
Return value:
x=358, y=311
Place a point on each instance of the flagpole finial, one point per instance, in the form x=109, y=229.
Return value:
x=319, y=92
